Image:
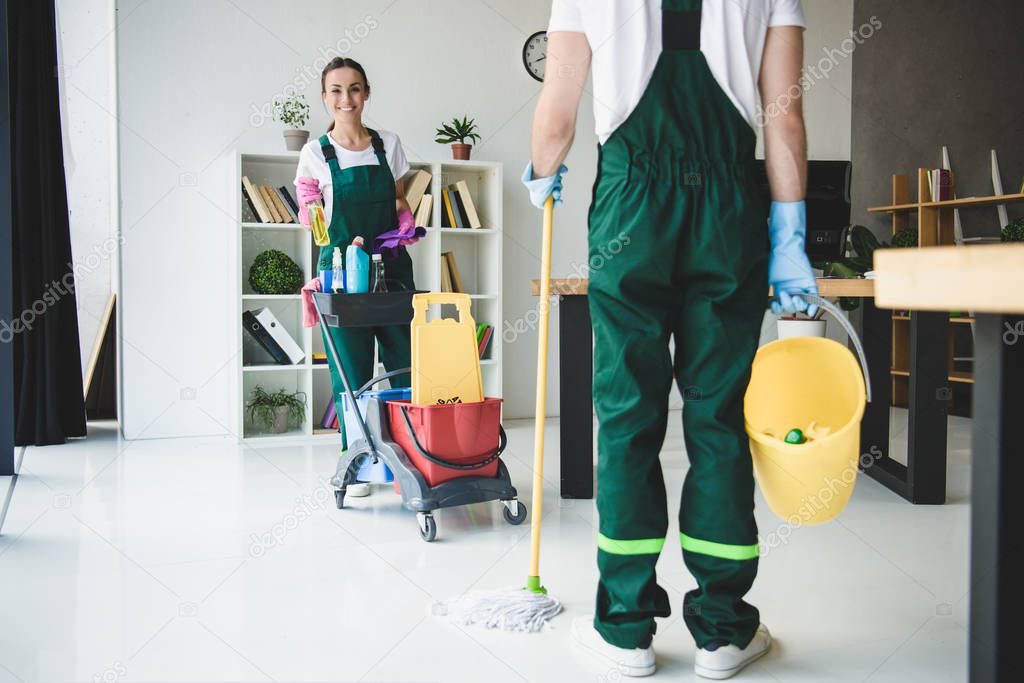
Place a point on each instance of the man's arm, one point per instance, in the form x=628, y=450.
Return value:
x=554, y=119
x=785, y=140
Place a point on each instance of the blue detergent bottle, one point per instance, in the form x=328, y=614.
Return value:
x=357, y=268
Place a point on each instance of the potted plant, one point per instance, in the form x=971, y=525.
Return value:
x=1014, y=232
x=456, y=133
x=860, y=250
x=294, y=113
x=274, y=272
x=275, y=411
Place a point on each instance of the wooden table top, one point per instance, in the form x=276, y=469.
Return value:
x=577, y=286
x=984, y=278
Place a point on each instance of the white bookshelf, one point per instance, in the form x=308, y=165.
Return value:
x=478, y=255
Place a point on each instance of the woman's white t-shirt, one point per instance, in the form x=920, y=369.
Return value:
x=625, y=39
x=312, y=163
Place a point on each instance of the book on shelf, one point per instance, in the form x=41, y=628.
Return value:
x=446, y=276
x=286, y=194
x=319, y=358
x=281, y=194
x=472, y=218
x=251, y=205
x=264, y=327
x=416, y=183
x=484, y=333
x=447, y=217
x=448, y=262
x=262, y=212
x=275, y=217
x=423, y=214
x=282, y=210
x=940, y=184
x=330, y=413
x=461, y=220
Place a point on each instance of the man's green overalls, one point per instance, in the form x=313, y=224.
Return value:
x=364, y=204
x=677, y=179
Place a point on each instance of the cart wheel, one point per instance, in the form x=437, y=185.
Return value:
x=428, y=527
x=339, y=498
x=519, y=515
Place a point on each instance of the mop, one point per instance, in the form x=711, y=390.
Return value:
x=521, y=609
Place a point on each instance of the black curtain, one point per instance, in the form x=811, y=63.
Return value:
x=49, y=405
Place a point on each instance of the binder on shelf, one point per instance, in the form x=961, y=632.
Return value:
x=262, y=212
x=416, y=183
x=467, y=202
x=271, y=335
x=446, y=276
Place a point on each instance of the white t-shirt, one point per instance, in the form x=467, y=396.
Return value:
x=625, y=39
x=312, y=163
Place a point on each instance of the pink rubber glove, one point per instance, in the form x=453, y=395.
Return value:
x=406, y=226
x=308, y=191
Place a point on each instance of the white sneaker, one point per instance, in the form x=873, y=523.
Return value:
x=727, y=660
x=359, y=490
x=635, y=662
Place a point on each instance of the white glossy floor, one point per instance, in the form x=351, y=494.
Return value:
x=199, y=560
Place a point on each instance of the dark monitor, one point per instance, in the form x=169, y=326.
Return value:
x=828, y=207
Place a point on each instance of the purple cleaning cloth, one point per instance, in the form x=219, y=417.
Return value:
x=387, y=243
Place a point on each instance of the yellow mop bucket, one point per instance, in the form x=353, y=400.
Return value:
x=796, y=383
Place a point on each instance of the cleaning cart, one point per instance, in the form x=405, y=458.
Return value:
x=446, y=480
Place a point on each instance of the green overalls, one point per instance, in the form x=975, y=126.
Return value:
x=678, y=247
x=364, y=204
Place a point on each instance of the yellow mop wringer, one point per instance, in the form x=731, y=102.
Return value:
x=528, y=608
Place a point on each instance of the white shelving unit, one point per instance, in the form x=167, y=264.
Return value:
x=477, y=254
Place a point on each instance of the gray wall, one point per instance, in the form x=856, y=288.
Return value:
x=938, y=73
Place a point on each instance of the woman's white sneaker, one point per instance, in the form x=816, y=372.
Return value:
x=727, y=660
x=635, y=662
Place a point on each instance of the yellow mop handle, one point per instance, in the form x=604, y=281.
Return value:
x=533, y=580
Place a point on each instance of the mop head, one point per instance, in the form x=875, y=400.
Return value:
x=511, y=609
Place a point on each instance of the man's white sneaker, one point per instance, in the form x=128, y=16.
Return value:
x=727, y=660
x=635, y=662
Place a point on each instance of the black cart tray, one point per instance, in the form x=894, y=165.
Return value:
x=366, y=310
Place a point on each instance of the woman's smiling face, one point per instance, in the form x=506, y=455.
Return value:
x=345, y=94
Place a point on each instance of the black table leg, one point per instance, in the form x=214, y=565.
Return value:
x=930, y=397
x=923, y=479
x=575, y=374
x=997, y=434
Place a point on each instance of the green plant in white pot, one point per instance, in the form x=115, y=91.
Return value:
x=293, y=112
x=276, y=411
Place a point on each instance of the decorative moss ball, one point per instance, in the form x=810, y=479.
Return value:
x=907, y=237
x=274, y=272
x=1014, y=232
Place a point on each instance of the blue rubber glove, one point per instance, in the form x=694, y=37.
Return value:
x=541, y=188
x=789, y=270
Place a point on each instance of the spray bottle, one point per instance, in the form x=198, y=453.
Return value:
x=337, y=272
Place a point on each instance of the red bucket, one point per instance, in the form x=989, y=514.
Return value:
x=466, y=436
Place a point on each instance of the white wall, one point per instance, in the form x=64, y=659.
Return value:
x=193, y=75
x=87, y=99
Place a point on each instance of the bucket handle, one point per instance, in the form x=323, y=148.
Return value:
x=847, y=326
x=502, y=441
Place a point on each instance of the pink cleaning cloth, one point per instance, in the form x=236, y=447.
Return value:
x=309, y=317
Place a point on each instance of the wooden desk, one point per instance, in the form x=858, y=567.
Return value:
x=990, y=281
x=921, y=480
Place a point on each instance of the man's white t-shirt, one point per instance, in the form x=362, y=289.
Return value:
x=312, y=163
x=625, y=40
